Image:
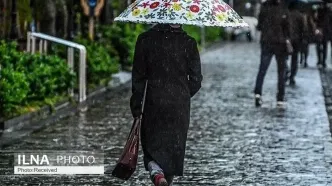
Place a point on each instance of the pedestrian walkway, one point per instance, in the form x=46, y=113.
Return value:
x=230, y=142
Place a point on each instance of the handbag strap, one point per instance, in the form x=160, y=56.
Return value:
x=144, y=96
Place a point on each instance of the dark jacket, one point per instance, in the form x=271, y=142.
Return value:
x=169, y=59
x=297, y=26
x=309, y=28
x=330, y=24
x=273, y=22
x=323, y=22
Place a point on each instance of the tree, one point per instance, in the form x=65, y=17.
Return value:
x=48, y=17
x=65, y=18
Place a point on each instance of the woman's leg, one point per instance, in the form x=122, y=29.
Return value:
x=306, y=52
x=154, y=168
x=302, y=56
x=318, y=52
x=157, y=174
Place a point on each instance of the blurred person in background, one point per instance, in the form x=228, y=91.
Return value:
x=330, y=26
x=322, y=34
x=308, y=34
x=273, y=22
x=297, y=31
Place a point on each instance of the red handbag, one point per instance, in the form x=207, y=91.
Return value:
x=127, y=162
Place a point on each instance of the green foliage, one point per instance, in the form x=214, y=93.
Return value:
x=118, y=6
x=102, y=60
x=193, y=31
x=115, y=4
x=59, y=50
x=48, y=76
x=26, y=78
x=24, y=10
x=212, y=34
x=14, y=88
x=123, y=37
x=101, y=64
x=9, y=56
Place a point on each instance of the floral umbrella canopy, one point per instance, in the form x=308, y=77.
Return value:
x=190, y=12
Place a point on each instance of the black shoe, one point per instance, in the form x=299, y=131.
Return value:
x=305, y=65
x=258, y=100
x=292, y=82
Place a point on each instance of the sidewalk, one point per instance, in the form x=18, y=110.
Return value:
x=230, y=141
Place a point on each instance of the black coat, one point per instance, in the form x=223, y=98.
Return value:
x=309, y=29
x=297, y=26
x=274, y=23
x=330, y=25
x=168, y=58
x=323, y=22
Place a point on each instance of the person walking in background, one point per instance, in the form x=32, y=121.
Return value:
x=308, y=34
x=330, y=27
x=273, y=22
x=322, y=33
x=169, y=59
x=297, y=31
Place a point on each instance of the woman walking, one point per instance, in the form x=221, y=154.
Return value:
x=169, y=59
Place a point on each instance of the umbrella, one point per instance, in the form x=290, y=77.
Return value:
x=190, y=12
x=299, y=1
x=306, y=1
x=305, y=4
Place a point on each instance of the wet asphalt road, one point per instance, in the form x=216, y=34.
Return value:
x=230, y=141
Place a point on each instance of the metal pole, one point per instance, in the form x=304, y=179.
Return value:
x=82, y=75
x=33, y=50
x=29, y=42
x=2, y=124
x=41, y=46
x=45, y=46
x=82, y=60
x=70, y=56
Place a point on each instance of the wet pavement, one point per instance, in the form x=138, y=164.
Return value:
x=230, y=141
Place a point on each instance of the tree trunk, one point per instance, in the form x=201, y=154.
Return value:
x=6, y=18
x=65, y=18
x=106, y=16
x=2, y=17
x=71, y=15
x=47, y=23
x=20, y=29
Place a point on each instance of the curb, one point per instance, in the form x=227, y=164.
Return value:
x=326, y=76
x=21, y=126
